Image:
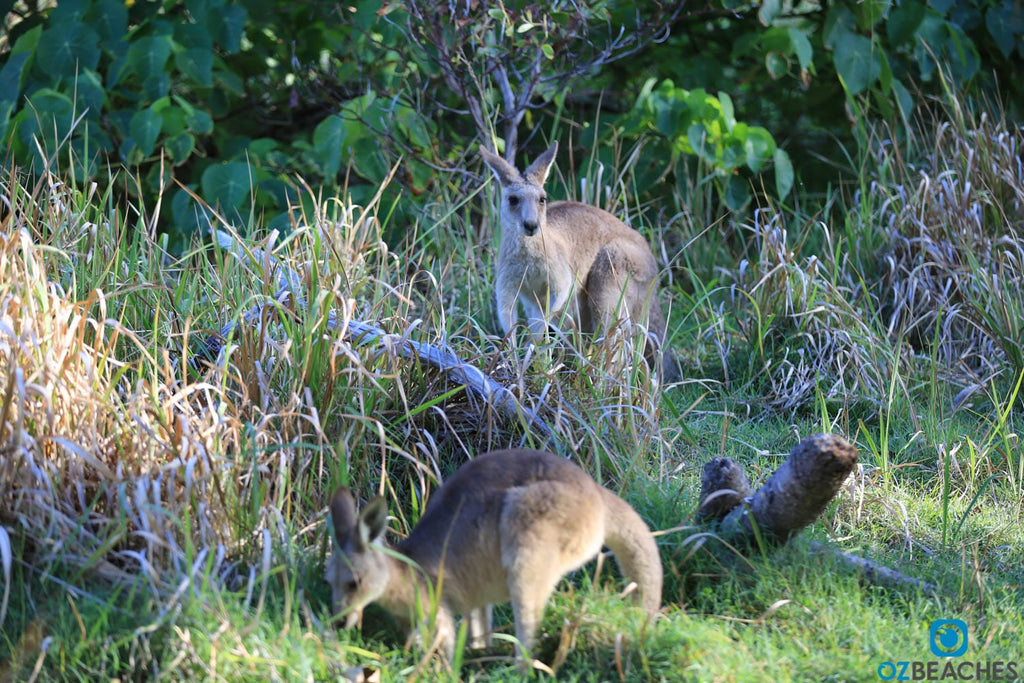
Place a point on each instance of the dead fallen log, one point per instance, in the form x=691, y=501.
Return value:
x=793, y=497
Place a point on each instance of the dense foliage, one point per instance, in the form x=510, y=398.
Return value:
x=239, y=103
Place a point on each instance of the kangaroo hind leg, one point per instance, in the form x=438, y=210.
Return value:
x=547, y=529
x=622, y=285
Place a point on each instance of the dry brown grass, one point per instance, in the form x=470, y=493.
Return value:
x=136, y=440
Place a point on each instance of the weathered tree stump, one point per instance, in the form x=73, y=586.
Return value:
x=793, y=497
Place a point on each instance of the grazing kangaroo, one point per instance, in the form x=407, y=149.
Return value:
x=506, y=526
x=571, y=259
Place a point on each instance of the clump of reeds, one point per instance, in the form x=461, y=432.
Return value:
x=802, y=319
x=953, y=274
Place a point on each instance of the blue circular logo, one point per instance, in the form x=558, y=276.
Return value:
x=948, y=637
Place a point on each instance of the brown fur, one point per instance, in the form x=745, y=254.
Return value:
x=568, y=261
x=505, y=527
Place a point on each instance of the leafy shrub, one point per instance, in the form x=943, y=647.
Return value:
x=699, y=124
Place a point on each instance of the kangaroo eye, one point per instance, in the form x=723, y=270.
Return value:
x=513, y=201
x=543, y=200
x=352, y=586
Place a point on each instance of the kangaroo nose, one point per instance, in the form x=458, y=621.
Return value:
x=529, y=227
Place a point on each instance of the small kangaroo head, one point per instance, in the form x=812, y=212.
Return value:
x=524, y=202
x=357, y=569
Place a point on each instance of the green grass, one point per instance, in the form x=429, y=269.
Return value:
x=163, y=499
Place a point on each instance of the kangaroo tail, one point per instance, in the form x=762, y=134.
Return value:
x=635, y=549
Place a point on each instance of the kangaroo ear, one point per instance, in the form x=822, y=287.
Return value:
x=537, y=173
x=343, y=514
x=373, y=521
x=505, y=172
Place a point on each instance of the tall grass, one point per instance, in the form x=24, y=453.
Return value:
x=171, y=424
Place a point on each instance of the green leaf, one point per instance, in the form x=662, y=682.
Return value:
x=1004, y=24
x=669, y=116
x=703, y=106
x=6, y=107
x=885, y=77
x=110, y=20
x=19, y=61
x=199, y=122
x=903, y=99
x=759, y=146
x=189, y=216
x=89, y=93
x=549, y=52
x=28, y=41
x=262, y=148
x=180, y=147
x=857, y=60
x=173, y=119
x=737, y=192
x=145, y=129
x=367, y=159
x=227, y=185
x=416, y=129
x=961, y=55
x=231, y=81
x=69, y=11
x=733, y=156
x=776, y=64
x=838, y=22
x=871, y=11
x=697, y=136
x=802, y=47
x=930, y=36
x=65, y=49
x=156, y=86
x=48, y=116
x=196, y=63
x=230, y=27
x=784, y=176
x=328, y=142
x=728, y=111
x=947, y=42
x=419, y=176
x=777, y=39
x=148, y=55
x=193, y=36
x=199, y=8
x=903, y=22
x=769, y=10
x=12, y=76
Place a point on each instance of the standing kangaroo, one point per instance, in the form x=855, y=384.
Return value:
x=506, y=526
x=571, y=259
